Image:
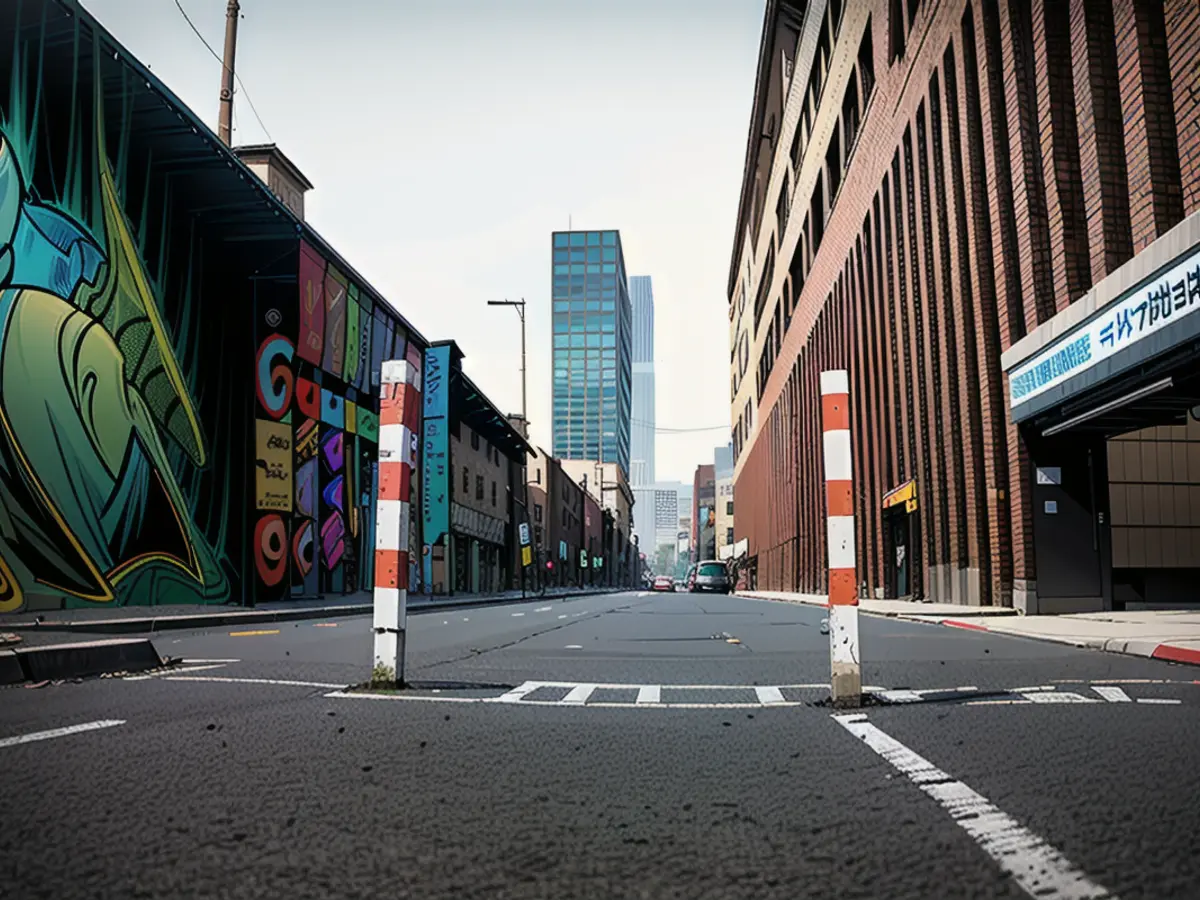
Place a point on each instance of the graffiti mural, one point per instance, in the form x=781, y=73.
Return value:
x=186, y=415
x=324, y=391
x=100, y=435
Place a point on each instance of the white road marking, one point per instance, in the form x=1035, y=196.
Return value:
x=563, y=616
x=518, y=615
x=1159, y=700
x=1110, y=693
x=219, y=680
x=769, y=695
x=517, y=693
x=188, y=660
x=360, y=695
x=649, y=693
x=574, y=647
x=1037, y=867
x=900, y=696
x=544, y=609
x=59, y=732
x=578, y=695
x=466, y=619
x=173, y=671
x=1058, y=697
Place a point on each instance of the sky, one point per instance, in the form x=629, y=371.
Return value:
x=447, y=139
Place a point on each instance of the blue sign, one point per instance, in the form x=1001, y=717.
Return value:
x=435, y=480
x=1170, y=296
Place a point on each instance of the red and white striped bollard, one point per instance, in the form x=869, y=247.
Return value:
x=399, y=414
x=846, y=671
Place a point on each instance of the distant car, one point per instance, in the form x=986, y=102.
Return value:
x=663, y=583
x=712, y=575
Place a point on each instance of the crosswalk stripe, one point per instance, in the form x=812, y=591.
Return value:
x=578, y=695
x=649, y=693
x=1111, y=694
x=769, y=695
x=518, y=693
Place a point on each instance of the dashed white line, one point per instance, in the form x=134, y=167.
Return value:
x=769, y=695
x=1058, y=697
x=219, y=680
x=1037, y=867
x=563, y=616
x=59, y=732
x=174, y=671
x=1159, y=700
x=187, y=660
x=1110, y=693
x=649, y=693
x=544, y=609
x=518, y=615
x=574, y=647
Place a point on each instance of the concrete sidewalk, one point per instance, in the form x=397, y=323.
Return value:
x=148, y=619
x=1171, y=635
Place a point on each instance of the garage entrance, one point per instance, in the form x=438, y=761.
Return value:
x=1103, y=394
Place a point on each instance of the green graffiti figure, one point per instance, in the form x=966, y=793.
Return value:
x=90, y=388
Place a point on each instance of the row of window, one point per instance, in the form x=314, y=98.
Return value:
x=492, y=453
x=564, y=322
x=585, y=238
x=585, y=340
x=588, y=269
x=594, y=255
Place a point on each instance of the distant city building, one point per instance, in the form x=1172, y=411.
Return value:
x=641, y=295
x=704, y=513
x=723, y=464
x=592, y=327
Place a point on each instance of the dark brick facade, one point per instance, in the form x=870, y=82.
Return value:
x=993, y=159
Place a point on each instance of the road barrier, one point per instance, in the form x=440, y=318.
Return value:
x=846, y=670
x=399, y=413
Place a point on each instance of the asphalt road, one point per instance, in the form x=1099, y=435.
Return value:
x=613, y=746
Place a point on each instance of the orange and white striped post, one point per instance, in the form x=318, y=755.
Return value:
x=846, y=671
x=399, y=414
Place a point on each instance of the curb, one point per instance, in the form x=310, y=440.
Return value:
x=78, y=660
x=151, y=624
x=1125, y=646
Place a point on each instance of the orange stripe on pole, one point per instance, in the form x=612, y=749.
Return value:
x=835, y=412
x=387, y=568
x=842, y=588
x=393, y=481
x=839, y=498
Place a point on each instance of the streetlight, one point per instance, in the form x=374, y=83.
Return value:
x=519, y=306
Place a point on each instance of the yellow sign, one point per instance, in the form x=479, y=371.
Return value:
x=526, y=555
x=273, y=466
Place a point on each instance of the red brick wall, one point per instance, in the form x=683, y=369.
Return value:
x=1015, y=154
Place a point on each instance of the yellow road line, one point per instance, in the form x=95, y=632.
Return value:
x=325, y=625
x=251, y=633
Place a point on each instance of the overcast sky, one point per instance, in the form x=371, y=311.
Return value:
x=448, y=138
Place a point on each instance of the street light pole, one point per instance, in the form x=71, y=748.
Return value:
x=519, y=306
x=225, y=119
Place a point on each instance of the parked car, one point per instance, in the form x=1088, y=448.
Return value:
x=664, y=583
x=712, y=575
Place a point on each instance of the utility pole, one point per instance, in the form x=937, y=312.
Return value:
x=519, y=306
x=225, y=120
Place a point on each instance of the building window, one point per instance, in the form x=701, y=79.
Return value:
x=474, y=441
x=728, y=535
x=729, y=507
x=866, y=63
x=537, y=512
x=478, y=487
x=466, y=482
x=493, y=493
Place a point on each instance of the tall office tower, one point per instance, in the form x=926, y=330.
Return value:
x=641, y=294
x=592, y=348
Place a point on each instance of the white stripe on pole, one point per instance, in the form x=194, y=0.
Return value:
x=840, y=531
x=835, y=381
x=843, y=635
x=837, y=456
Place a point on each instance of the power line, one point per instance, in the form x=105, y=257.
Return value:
x=217, y=57
x=668, y=430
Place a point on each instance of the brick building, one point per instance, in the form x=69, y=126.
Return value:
x=988, y=211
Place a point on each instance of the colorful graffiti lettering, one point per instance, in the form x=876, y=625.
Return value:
x=275, y=379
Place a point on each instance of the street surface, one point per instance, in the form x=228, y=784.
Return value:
x=624, y=745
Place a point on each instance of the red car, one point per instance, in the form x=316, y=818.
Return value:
x=664, y=583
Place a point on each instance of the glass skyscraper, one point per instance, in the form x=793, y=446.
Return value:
x=641, y=295
x=593, y=337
